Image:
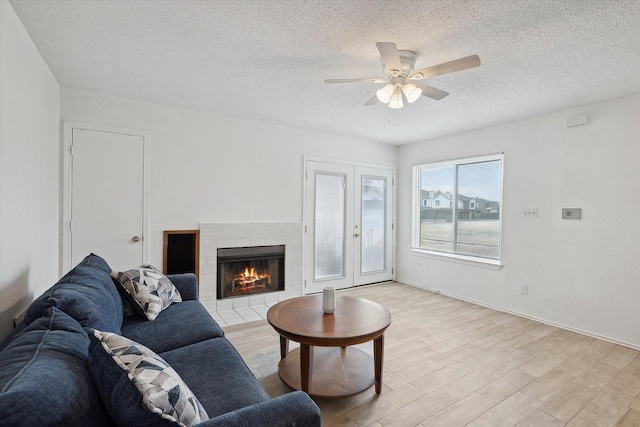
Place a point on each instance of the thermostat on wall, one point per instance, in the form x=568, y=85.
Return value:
x=571, y=213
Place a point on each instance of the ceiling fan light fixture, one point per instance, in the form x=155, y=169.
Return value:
x=400, y=74
x=412, y=92
x=384, y=94
x=396, y=100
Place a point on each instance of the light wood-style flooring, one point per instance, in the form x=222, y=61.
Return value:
x=452, y=363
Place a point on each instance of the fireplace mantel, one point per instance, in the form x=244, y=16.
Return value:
x=236, y=235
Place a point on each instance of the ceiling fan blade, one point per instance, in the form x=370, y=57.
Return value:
x=390, y=56
x=446, y=67
x=355, y=81
x=432, y=92
x=372, y=101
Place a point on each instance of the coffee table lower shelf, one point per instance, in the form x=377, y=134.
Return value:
x=335, y=371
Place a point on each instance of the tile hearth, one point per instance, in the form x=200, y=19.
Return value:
x=225, y=235
x=241, y=315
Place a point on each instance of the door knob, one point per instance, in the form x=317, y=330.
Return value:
x=356, y=234
x=135, y=239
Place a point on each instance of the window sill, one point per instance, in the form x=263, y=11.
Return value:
x=492, y=264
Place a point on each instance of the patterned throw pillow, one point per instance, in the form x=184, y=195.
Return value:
x=151, y=290
x=137, y=386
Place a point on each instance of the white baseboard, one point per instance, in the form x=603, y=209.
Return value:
x=19, y=316
x=526, y=316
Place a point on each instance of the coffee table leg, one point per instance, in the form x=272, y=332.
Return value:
x=378, y=357
x=284, y=347
x=306, y=361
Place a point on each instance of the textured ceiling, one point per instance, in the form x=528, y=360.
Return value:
x=267, y=60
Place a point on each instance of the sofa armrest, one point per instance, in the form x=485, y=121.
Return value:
x=291, y=409
x=187, y=285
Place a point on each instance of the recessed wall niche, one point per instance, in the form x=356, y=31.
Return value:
x=181, y=252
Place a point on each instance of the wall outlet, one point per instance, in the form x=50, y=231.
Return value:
x=524, y=289
x=530, y=213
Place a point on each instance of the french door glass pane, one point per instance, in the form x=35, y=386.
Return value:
x=372, y=234
x=329, y=226
x=436, y=209
x=478, y=232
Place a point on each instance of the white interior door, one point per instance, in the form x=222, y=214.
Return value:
x=107, y=197
x=347, y=225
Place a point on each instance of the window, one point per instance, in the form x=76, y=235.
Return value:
x=470, y=228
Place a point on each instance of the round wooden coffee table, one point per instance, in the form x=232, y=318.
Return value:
x=325, y=365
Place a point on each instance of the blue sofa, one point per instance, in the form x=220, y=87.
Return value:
x=47, y=376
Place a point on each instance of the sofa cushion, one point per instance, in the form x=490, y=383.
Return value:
x=86, y=293
x=217, y=375
x=152, y=292
x=137, y=386
x=14, y=333
x=168, y=331
x=44, y=376
x=186, y=284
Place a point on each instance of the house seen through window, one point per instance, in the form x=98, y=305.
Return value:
x=457, y=206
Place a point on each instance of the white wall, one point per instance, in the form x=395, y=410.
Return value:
x=211, y=168
x=29, y=172
x=585, y=274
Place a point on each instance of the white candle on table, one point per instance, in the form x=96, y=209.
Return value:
x=328, y=300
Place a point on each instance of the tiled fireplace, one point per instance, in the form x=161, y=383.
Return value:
x=250, y=270
x=235, y=239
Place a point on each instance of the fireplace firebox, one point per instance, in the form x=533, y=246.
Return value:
x=250, y=270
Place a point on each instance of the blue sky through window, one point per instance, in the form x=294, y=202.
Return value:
x=474, y=179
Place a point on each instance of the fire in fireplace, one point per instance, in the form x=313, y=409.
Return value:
x=250, y=270
x=249, y=279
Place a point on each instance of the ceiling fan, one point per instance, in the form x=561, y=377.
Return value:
x=401, y=78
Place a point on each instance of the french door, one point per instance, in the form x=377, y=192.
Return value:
x=348, y=222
